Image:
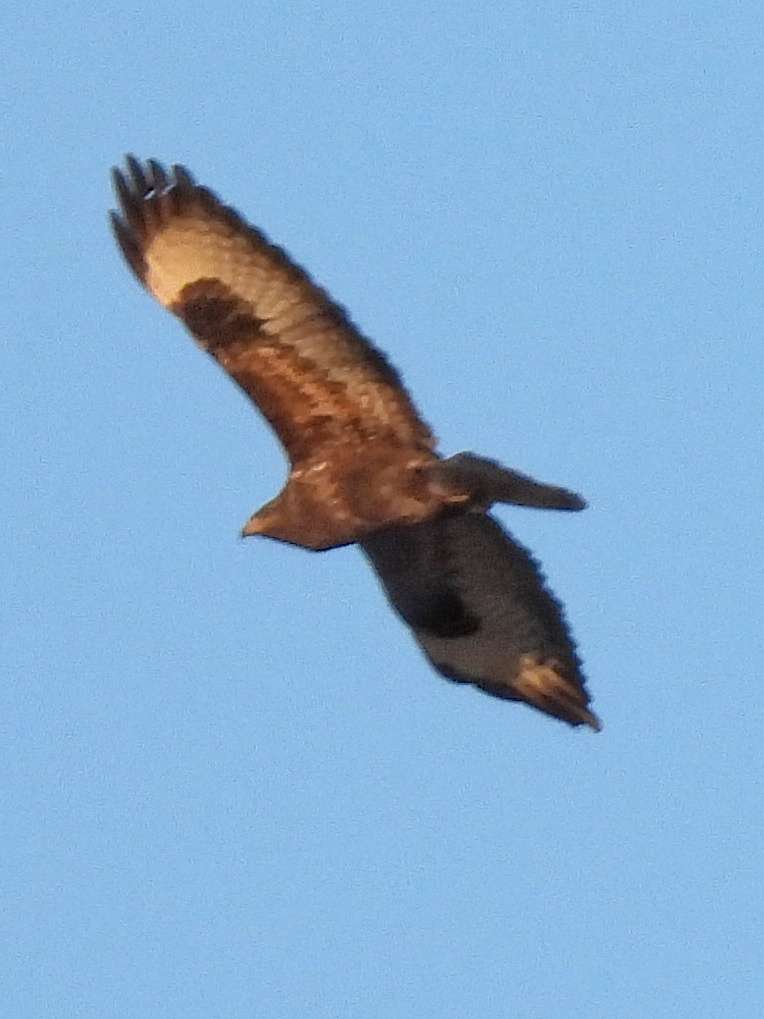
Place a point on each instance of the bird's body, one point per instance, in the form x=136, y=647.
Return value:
x=363, y=464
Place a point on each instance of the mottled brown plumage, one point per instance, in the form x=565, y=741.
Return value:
x=363, y=465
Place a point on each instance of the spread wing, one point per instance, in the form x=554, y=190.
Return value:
x=315, y=378
x=476, y=603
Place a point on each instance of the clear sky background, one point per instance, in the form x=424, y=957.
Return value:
x=229, y=783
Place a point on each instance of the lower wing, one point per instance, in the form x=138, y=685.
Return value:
x=477, y=605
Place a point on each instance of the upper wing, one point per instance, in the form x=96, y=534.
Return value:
x=476, y=602
x=316, y=379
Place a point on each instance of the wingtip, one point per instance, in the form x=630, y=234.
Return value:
x=548, y=685
x=137, y=173
x=592, y=720
x=574, y=714
x=128, y=245
x=182, y=176
x=146, y=195
x=157, y=175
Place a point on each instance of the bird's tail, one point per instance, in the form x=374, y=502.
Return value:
x=490, y=482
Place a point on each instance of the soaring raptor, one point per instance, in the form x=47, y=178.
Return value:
x=363, y=466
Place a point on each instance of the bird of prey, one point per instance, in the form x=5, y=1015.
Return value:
x=363, y=465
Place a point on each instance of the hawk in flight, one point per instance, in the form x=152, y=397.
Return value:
x=363, y=466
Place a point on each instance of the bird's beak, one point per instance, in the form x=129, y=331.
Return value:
x=253, y=526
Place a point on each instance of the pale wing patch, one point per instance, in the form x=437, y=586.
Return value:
x=543, y=682
x=197, y=247
x=192, y=248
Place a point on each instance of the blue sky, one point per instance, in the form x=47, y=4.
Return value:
x=229, y=783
